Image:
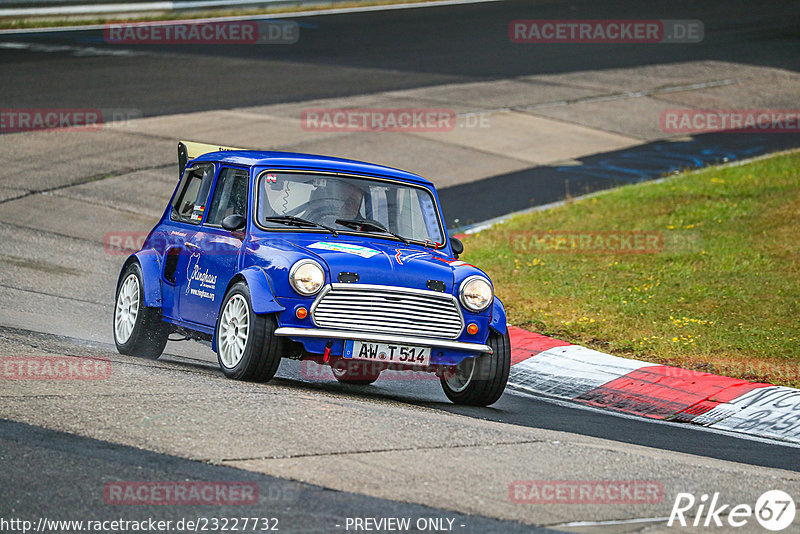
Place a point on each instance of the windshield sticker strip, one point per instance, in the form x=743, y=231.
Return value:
x=364, y=252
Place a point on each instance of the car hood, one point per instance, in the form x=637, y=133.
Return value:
x=375, y=261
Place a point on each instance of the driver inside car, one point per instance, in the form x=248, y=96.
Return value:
x=335, y=200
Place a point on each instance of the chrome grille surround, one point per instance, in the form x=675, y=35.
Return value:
x=388, y=310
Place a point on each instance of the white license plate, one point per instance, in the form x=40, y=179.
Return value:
x=387, y=352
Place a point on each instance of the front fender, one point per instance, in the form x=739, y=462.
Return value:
x=261, y=294
x=150, y=262
x=498, y=322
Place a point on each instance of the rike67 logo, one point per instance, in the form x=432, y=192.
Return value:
x=774, y=510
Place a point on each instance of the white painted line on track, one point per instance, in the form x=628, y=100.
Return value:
x=295, y=14
x=78, y=51
x=90, y=9
x=611, y=522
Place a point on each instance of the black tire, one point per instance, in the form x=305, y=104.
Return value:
x=355, y=372
x=262, y=348
x=149, y=335
x=488, y=378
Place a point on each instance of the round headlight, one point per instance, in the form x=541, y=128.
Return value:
x=476, y=293
x=306, y=277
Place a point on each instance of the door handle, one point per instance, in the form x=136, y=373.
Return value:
x=191, y=245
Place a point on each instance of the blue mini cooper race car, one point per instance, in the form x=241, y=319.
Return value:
x=270, y=255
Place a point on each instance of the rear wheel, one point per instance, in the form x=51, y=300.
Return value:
x=138, y=330
x=247, y=347
x=480, y=381
x=355, y=372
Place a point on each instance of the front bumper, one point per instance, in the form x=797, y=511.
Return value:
x=288, y=331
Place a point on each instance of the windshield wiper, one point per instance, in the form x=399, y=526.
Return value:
x=291, y=220
x=361, y=224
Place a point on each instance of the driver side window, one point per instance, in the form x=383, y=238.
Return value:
x=190, y=202
x=230, y=196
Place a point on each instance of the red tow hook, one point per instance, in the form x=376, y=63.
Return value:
x=326, y=356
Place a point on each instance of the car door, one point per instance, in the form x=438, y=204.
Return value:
x=186, y=215
x=216, y=252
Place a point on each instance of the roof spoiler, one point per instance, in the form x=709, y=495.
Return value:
x=188, y=150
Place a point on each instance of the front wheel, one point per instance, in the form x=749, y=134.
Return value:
x=480, y=381
x=138, y=330
x=247, y=347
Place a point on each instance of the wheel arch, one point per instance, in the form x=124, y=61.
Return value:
x=150, y=264
x=262, y=298
x=499, y=322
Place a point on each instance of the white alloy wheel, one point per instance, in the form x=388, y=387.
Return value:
x=127, y=309
x=458, y=379
x=234, y=327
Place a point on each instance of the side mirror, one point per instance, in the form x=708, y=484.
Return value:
x=233, y=222
x=455, y=244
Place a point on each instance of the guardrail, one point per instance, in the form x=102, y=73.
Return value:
x=48, y=9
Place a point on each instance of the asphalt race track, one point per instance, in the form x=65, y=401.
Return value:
x=74, y=467
x=360, y=53
x=59, y=461
x=351, y=54
x=519, y=190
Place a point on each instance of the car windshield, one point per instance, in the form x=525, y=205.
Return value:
x=402, y=209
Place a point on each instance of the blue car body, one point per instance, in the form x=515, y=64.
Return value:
x=187, y=268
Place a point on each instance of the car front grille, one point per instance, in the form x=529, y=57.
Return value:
x=389, y=310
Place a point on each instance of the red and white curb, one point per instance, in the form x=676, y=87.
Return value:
x=552, y=367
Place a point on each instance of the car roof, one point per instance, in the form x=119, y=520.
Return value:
x=294, y=160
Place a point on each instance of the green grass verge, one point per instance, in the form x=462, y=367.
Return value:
x=721, y=296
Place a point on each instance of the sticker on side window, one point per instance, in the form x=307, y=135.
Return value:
x=197, y=212
x=271, y=178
